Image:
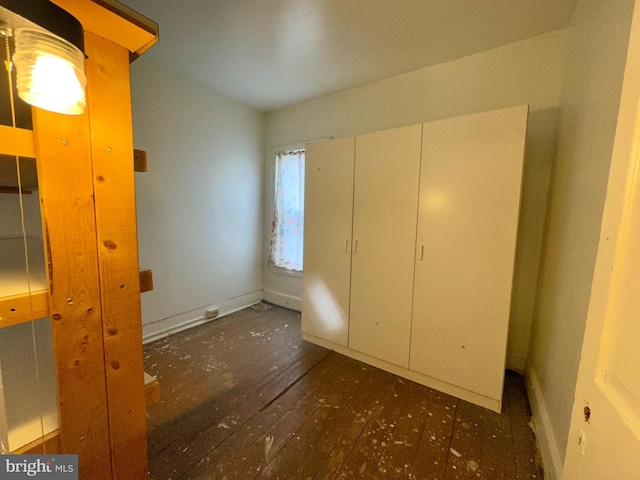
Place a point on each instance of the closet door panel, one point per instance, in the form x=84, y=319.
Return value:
x=469, y=204
x=327, y=239
x=384, y=227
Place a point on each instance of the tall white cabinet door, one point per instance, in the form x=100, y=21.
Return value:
x=469, y=204
x=384, y=232
x=327, y=239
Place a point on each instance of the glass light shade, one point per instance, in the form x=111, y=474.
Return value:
x=50, y=72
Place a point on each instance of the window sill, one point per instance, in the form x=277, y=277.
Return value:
x=285, y=271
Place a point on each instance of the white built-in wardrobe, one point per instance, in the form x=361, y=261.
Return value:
x=410, y=238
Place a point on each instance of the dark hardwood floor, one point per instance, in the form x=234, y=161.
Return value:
x=244, y=397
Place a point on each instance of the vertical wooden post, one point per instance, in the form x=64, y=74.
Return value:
x=109, y=105
x=85, y=167
x=67, y=207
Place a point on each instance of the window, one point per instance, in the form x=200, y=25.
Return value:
x=288, y=218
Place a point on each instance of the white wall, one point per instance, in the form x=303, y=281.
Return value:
x=199, y=206
x=528, y=72
x=29, y=381
x=11, y=224
x=596, y=51
x=27, y=395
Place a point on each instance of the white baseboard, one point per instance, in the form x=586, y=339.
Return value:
x=516, y=362
x=469, y=396
x=282, y=300
x=551, y=457
x=176, y=323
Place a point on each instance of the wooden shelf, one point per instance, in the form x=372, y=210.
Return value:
x=26, y=307
x=51, y=445
x=23, y=308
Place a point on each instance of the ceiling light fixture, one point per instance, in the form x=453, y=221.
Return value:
x=48, y=57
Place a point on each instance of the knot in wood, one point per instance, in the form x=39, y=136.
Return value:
x=110, y=244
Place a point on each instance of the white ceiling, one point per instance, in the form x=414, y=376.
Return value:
x=273, y=53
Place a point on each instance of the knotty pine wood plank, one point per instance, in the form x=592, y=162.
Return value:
x=109, y=104
x=67, y=210
x=23, y=308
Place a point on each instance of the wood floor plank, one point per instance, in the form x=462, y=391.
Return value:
x=339, y=441
x=244, y=397
x=368, y=452
x=256, y=436
x=401, y=451
x=198, y=386
x=295, y=460
x=193, y=375
x=524, y=444
x=192, y=448
x=465, y=452
x=261, y=454
x=217, y=406
x=430, y=461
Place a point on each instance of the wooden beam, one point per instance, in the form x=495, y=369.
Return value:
x=23, y=308
x=67, y=209
x=139, y=161
x=146, y=281
x=22, y=144
x=115, y=22
x=109, y=104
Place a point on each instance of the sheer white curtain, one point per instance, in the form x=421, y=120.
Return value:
x=288, y=219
